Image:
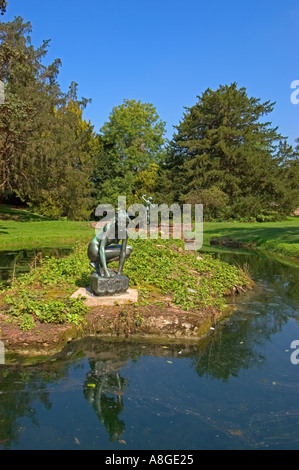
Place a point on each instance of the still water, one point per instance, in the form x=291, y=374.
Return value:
x=236, y=389
x=16, y=262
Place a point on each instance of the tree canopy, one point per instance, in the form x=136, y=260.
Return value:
x=132, y=146
x=3, y=5
x=45, y=146
x=225, y=152
x=226, y=155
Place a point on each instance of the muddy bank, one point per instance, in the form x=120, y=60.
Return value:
x=163, y=322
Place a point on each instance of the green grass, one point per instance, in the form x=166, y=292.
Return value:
x=280, y=238
x=21, y=229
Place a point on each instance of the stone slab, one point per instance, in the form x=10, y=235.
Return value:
x=107, y=286
x=92, y=300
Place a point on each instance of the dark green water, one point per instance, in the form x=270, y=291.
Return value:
x=237, y=389
x=14, y=263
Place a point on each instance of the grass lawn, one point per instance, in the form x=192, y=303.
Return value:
x=281, y=238
x=21, y=229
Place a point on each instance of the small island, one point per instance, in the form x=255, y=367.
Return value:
x=181, y=296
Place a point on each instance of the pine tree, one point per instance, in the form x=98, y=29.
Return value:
x=3, y=5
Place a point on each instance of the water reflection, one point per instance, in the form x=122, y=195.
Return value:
x=14, y=263
x=223, y=391
x=103, y=389
x=20, y=388
x=279, y=278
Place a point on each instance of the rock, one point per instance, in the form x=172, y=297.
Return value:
x=92, y=300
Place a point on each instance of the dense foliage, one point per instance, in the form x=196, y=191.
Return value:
x=3, y=4
x=190, y=281
x=224, y=153
x=46, y=148
x=131, y=152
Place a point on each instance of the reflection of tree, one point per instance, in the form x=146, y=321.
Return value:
x=283, y=278
x=103, y=389
x=19, y=388
x=239, y=342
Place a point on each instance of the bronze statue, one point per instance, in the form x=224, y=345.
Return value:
x=104, y=249
x=148, y=204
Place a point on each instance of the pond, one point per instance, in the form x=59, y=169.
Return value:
x=236, y=389
x=15, y=262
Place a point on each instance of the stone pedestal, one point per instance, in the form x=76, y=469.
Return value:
x=91, y=300
x=104, y=286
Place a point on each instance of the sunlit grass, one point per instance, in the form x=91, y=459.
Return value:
x=278, y=237
x=20, y=229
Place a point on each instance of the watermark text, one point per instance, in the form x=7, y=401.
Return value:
x=154, y=220
x=295, y=93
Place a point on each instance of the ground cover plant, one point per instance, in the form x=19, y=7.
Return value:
x=187, y=279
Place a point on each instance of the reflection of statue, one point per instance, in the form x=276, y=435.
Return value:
x=148, y=204
x=103, y=389
x=104, y=249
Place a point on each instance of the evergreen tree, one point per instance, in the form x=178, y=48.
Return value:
x=60, y=185
x=291, y=167
x=46, y=148
x=3, y=5
x=25, y=81
x=225, y=149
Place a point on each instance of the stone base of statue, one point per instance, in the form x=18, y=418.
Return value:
x=103, y=286
x=92, y=300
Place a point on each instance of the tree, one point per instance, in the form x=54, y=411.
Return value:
x=27, y=85
x=222, y=143
x=290, y=163
x=131, y=140
x=46, y=148
x=3, y=5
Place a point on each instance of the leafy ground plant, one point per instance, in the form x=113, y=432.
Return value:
x=191, y=280
x=44, y=294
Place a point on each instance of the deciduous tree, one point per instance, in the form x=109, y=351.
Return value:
x=131, y=141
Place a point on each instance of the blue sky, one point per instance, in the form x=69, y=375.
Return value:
x=167, y=52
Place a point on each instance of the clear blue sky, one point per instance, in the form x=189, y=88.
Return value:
x=167, y=52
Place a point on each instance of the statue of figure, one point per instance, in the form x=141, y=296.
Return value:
x=105, y=248
x=148, y=204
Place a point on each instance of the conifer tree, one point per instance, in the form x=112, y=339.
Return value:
x=225, y=146
x=3, y=5
x=46, y=147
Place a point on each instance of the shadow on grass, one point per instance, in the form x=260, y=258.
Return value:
x=20, y=215
x=3, y=229
x=287, y=234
